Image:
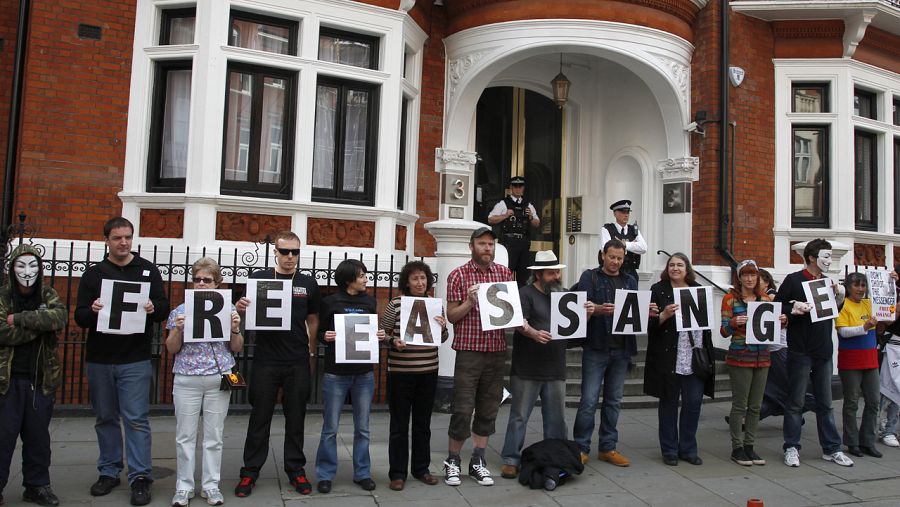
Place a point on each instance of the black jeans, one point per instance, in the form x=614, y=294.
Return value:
x=519, y=258
x=410, y=394
x=25, y=411
x=265, y=380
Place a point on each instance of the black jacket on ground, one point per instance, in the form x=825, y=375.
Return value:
x=546, y=459
x=662, y=348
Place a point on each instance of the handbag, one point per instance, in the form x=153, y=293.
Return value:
x=231, y=381
x=701, y=363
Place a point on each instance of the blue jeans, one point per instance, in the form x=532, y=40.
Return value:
x=120, y=395
x=334, y=392
x=888, y=418
x=606, y=369
x=678, y=434
x=802, y=369
x=553, y=411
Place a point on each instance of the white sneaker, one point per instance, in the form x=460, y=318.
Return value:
x=213, y=496
x=890, y=440
x=791, y=457
x=182, y=498
x=838, y=457
x=451, y=472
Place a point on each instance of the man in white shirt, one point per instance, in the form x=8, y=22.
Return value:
x=635, y=245
x=516, y=216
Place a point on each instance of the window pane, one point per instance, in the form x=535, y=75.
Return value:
x=326, y=123
x=176, y=116
x=181, y=30
x=864, y=104
x=237, y=126
x=897, y=188
x=810, y=99
x=339, y=49
x=896, y=112
x=810, y=175
x=864, y=175
x=356, y=122
x=256, y=35
x=272, y=130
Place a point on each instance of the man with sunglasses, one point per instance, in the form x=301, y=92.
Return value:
x=281, y=361
x=118, y=366
x=635, y=245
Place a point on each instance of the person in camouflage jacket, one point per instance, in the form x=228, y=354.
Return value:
x=31, y=315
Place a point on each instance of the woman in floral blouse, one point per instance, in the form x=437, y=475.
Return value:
x=198, y=374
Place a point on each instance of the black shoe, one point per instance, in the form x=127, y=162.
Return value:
x=367, y=484
x=739, y=456
x=42, y=495
x=693, y=460
x=140, y=491
x=301, y=484
x=324, y=487
x=104, y=485
x=244, y=487
x=672, y=461
x=871, y=451
x=854, y=450
x=755, y=458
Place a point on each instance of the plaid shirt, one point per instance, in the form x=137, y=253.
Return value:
x=467, y=333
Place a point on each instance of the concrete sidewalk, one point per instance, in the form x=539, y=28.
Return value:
x=871, y=482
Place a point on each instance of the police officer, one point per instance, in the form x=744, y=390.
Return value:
x=514, y=214
x=635, y=245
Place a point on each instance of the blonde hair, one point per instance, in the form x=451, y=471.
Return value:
x=208, y=265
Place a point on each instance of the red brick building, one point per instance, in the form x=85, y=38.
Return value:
x=359, y=123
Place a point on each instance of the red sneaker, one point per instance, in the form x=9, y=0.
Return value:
x=245, y=487
x=301, y=484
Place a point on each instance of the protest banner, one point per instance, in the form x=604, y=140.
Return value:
x=123, y=307
x=499, y=305
x=883, y=294
x=821, y=296
x=695, y=309
x=270, y=305
x=355, y=340
x=632, y=312
x=763, y=323
x=417, y=324
x=207, y=315
x=568, y=317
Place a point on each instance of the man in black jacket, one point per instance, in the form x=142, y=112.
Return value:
x=118, y=366
x=810, y=350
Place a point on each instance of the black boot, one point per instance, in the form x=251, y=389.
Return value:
x=41, y=495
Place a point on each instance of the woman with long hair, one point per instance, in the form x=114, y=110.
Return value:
x=668, y=374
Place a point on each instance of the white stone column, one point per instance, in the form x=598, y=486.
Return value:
x=675, y=226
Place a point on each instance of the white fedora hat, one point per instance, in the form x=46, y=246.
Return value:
x=546, y=259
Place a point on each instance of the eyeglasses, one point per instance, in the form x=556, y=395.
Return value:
x=204, y=279
x=289, y=251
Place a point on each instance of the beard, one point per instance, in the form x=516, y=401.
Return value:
x=549, y=287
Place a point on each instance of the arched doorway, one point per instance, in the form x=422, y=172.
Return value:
x=518, y=132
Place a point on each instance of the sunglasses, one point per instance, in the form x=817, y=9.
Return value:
x=204, y=279
x=289, y=251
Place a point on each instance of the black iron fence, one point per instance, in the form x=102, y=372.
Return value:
x=64, y=262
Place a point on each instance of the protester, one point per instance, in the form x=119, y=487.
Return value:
x=281, y=361
x=668, y=374
x=768, y=283
x=810, y=351
x=606, y=356
x=858, y=366
x=889, y=413
x=538, y=366
x=31, y=316
x=412, y=384
x=480, y=360
x=629, y=235
x=516, y=217
x=748, y=365
x=118, y=366
x=196, y=389
x=357, y=379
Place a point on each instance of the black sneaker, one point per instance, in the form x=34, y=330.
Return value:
x=245, y=487
x=301, y=483
x=140, y=491
x=104, y=485
x=42, y=495
x=755, y=458
x=478, y=471
x=740, y=457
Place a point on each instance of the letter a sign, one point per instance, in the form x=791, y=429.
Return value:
x=499, y=305
x=632, y=311
x=417, y=324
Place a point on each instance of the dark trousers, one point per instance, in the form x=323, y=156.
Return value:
x=410, y=394
x=265, y=380
x=519, y=258
x=678, y=432
x=25, y=411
